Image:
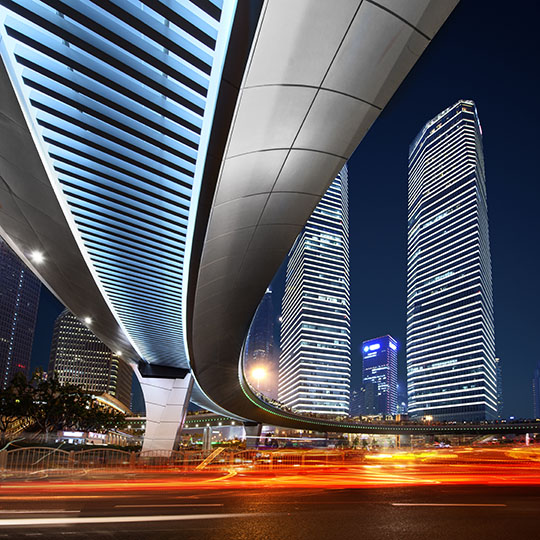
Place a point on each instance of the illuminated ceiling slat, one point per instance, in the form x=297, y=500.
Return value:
x=118, y=95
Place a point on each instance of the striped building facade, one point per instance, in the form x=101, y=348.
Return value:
x=315, y=361
x=450, y=327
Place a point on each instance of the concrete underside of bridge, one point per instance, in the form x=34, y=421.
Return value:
x=311, y=90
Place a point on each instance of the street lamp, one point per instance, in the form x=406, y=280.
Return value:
x=37, y=256
x=258, y=373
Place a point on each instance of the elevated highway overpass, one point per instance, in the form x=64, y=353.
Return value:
x=158, y=160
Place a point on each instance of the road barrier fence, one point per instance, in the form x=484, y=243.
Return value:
x=38, y=459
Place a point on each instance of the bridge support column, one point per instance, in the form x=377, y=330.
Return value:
x=166, y=394
x=207, y=438
x=253, y=434
x=403, y=441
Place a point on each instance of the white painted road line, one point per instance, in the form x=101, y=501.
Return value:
x=165, y=505
x=39, y=511
x=36, y=522
x=446, y=504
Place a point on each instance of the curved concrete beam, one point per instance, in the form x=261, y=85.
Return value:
x=311, y=91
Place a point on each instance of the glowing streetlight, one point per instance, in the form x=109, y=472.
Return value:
x=258, y=373
x=87, y=320
x=37, y=257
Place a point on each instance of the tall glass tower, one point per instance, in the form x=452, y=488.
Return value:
x=450, y=329
x=379, y=358
x=19, y=299
x=315, y=361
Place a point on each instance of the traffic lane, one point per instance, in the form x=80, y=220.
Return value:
x=418, y=512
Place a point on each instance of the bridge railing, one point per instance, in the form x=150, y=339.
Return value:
x=49, y=461
x=46, y=459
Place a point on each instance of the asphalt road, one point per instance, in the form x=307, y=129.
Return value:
x=413, y=512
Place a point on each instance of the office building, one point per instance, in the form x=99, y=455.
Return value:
x=402, y=398
x=500, y=401
x=79, y=357
x=450, y=329
x=260, y=358
x=536, y=391
x=379, y=368
x=315, y=360
x=364, y=400
x=19, y=299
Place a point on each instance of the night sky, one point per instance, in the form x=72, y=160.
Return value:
x=487, y=51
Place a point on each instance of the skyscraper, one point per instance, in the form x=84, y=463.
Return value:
x=315, y=361
x=79, y=357
x=450, y=329
x=259, y=351
x=536, y=391
x=19, y=298
x=380, y=369
x=500, y=400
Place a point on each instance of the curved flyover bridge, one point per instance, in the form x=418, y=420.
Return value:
x=159, y=158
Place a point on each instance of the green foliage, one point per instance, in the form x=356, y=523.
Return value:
x=54, y=406
x=15, y=401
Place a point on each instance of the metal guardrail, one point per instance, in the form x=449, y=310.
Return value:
x=40, y=459
x=46, y=460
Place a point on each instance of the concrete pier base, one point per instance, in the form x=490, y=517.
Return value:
x=166, y=399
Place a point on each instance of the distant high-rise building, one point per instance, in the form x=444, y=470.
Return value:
x=79, y=357
x=500, y=402
x=402, y=407
x=365, y=400
x=450, y=328
x=380, y=368
x=536, y=391
x=260, y=350
x=356, y=402
x=19, y=299
x=315, y=361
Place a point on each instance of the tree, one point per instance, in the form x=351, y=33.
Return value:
x=15, y=402
x=56, y=405
x=99, y=419
x=50, y=406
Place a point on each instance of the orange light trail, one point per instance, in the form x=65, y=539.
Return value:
x=451, y=467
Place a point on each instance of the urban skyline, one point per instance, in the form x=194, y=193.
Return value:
x=159, y=166
x=449, y=70
x=378, y=189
